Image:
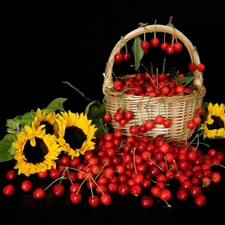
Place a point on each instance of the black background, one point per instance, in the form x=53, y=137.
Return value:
x=47, y=42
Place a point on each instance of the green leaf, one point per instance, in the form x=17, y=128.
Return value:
x=28, y=118
x=138, y=52
x=6, y=149
x=95, y=111
x=185, y=79
x=56, y=104
x=13, y=126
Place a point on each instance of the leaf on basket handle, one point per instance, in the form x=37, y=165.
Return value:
x=138, y=52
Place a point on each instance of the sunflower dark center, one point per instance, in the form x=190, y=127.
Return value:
x=35, y=154
x=217, y=124
x=75, y=137
x=48, y=127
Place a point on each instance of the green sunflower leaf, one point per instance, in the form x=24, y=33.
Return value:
x=56, y=104
x=5, y=146
x=13, y=125
x=137, y=52
x=95, y=111
x=28, y=118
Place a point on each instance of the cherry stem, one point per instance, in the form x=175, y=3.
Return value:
x=135, y=169
x=155, y=163
x=60, y=178
x=100, y=170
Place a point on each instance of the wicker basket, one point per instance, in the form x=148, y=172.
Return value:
x=179, y=109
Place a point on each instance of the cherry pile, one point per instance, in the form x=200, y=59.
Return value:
x=152, y=85
x=139, y=166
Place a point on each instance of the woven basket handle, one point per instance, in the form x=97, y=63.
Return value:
x=198, y=76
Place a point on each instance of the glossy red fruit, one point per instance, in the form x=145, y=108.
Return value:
x=54, y=173
x=149, y=125
x=26, y=185
x=106, y=199
x=126, y=56
x=200, y=67
x=65, y=160
x=107, y=117
x=165, y=194
x=43, y=174
x=93, y=200
x=11, y=174
x=39, y=193
x=192, y=66
x=191, y=125
x=177, y=46
x=118, y=57
x=146, y=201
x=170, y=49
x=145, y=45
x=58, y=189
x=196, y=119
x=75, y=198
x=182, y=194
x=9, y=189
x=216, y=177
x=200, y=200
x=159, y=119
x=164, y=46
x=154, y=42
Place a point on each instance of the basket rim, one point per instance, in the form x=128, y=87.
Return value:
x=194, y=56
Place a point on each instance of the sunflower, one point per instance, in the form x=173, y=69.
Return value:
x=35, y=151
x=214, y=125
x=42, y=118
x=76, y=133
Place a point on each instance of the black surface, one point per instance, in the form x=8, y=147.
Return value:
x=45, y=43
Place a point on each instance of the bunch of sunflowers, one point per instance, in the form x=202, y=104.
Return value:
x=37, y=138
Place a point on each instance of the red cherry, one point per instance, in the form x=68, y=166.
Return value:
x=38, y=193
x=164, y=46
x=192, y=66
x=9, y=189
x=146, y=201
x=200, y=67
x=191, y=125
x=11, y=174
x=43, y=174
x=93, y=201
x=177, y=46
x=26, y=185
x=167, y=123
x=196, y=119
x=170, y=49
x=118, y=57
x=107, y=117
x=200, y=200
x=145, y=45
x=159, y=119
x=126, y=56
x=154, y=42
x=75, y=198
x=106, y=199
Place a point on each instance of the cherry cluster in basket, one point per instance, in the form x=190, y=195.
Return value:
x=122, y=117
x=153, y=85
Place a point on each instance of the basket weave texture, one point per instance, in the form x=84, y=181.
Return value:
x=180, y=109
